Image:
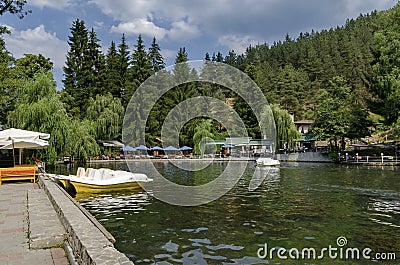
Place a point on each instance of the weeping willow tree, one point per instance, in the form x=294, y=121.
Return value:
x=82, y=143
x=38, y=108
x=106, y=115
x=285, y=129
x=202, y=132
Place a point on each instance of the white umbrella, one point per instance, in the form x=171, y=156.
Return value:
x=24, y=143
x=17, y=138
x=2, y=143
x=13, y=133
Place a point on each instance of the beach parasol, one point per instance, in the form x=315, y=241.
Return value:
x=22, y=139
x=185, y=148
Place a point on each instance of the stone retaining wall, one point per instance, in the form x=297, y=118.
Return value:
x=305, y=157
x=88, y=243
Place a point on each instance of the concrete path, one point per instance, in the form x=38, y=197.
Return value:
x=30, y=232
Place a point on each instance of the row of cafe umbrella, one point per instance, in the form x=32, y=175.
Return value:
x=22, y=139
x=155, y=148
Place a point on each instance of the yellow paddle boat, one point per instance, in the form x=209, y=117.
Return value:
x=103, y=179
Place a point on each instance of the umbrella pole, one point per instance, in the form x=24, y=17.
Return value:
x=13, y=152
x=20, y=156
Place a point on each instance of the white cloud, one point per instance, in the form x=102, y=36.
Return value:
x=56, y=4
x=138, y=17
x=237, y=43
x=182, y=30
x=37, y=41
x=140, y=26
x=248, y=20
x=128, y=10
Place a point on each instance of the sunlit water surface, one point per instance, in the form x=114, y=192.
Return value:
x=298, y=206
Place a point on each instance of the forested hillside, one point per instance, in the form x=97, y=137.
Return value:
x=345, y=78
x=292, y=72
x=350, y=72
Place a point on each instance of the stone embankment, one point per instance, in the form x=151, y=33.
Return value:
x=314, y=157
x=88, y=240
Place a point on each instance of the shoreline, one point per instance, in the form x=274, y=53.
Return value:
x=89, y=241
x=199, y=160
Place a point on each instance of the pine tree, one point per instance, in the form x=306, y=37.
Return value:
x=213, y=58
x=123, y=64
x=182, y=56
x=243, y=108
x=140, y=68
x=386, y=66
x=154, y=124
x=219, y=57
x=231, y=58
x=181, y=74
x=85, y=68
x=113, y=80
x=155, y=57
x=290, y=89
x=181, y=69
x=76, y=69
x=96, y=61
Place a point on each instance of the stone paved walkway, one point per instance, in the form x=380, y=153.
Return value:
x=14, y=228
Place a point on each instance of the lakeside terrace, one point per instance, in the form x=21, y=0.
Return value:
x=244, y=148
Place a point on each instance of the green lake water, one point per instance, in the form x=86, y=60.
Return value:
x=298, y=206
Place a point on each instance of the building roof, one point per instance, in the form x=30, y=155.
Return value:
x=110, y=143
x=238, y=141
x=242, y=141
x=260, y=142
x=305, y=122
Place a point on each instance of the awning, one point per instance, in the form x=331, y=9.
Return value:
x=110, y=143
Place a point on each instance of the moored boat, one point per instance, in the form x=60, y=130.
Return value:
x=91, y=180
x=267, y=162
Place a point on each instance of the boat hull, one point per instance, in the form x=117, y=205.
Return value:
x=101, y=180
x=87, y=188
x=262, y=165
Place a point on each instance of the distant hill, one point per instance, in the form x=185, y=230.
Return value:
x=291, y=72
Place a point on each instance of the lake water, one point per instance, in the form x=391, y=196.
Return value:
x=299, y=206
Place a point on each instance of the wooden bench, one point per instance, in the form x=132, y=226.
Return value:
x=18, y=173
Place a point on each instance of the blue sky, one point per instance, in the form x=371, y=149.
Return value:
x=200, y=26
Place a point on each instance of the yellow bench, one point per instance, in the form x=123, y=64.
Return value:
x=18, y=173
